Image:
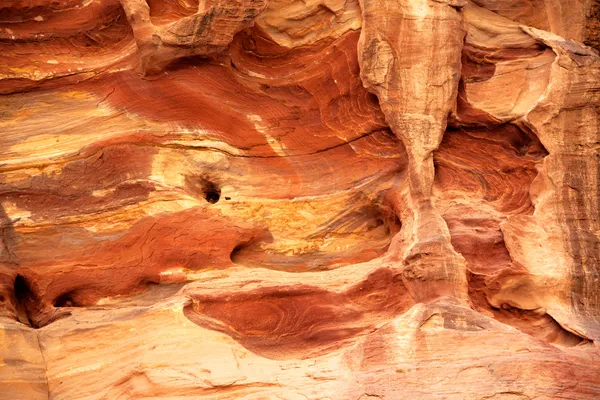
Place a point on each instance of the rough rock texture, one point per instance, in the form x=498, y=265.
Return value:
x=299, y=199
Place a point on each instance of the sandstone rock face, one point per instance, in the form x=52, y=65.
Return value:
x=286, y=199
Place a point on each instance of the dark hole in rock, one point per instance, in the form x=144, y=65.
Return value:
x=212, y=193
x=22, y=296
x=234, y=255
x=203, y=186
x=373, y=99
x=227, y=198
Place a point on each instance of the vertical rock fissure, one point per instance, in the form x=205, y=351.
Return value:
x=39, y=343
x=22, y=295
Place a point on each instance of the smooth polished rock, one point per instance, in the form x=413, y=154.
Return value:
x=316, y=199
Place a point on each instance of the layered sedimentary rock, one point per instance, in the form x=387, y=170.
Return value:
x=415, y=78
x=267, y=199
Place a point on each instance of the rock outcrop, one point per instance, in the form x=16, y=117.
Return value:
x=285, y=199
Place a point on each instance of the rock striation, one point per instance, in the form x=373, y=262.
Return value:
x=299, y=199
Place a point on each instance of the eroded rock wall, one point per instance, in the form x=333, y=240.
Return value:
x=322, y=199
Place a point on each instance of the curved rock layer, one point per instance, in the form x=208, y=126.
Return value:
x=268, y=199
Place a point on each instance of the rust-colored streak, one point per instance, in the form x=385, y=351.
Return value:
x=301, y=321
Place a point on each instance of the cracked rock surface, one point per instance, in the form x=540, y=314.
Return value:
x=299, y=199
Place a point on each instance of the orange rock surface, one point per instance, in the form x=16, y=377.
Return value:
x=299, y=199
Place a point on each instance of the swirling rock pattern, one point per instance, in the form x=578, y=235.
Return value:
x=316, y=199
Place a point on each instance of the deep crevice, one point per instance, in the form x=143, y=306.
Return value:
x=23, y=296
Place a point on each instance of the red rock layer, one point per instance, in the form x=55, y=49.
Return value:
x=299, y=199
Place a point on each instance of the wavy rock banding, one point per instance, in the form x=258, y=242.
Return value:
x=322, y=199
